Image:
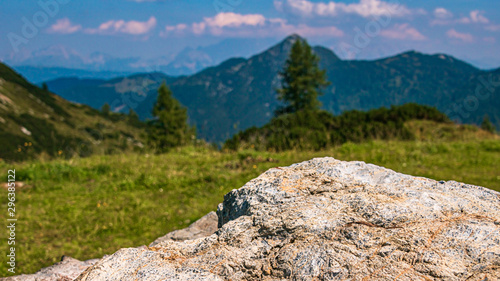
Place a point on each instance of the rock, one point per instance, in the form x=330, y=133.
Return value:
x=66, y=270
x=326, y=219
x=203, y=227
x=70, y=268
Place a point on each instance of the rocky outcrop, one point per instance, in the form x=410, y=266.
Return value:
x=326, y=219
x=203, y=227
x=69, y=268
x=66, y=270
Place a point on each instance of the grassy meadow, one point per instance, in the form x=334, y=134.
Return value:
x=90, y=207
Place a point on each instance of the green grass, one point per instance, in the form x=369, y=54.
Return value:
x=89, y=207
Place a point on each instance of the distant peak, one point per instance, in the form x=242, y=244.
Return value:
x=292, y=39
x=408, y=54
x=294, y=36
x=325, y=53
x=412, y=52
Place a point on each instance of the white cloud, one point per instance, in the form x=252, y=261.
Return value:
x=127, y=27
x=403, y=32
x=179, y=27
x=465, y=37
x=235, y=20
x=251, y=25
x=217, y=24
x=64, y=26
x=199, y=28
x=477, y=17
x=442, y=13
x=474, y=17
x=364, y=8
x=223, y=21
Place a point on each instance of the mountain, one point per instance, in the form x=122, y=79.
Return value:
x=188, y=61
x=36, y=122
x=192, y=60
x=240, y=93
x=135, y=91
x=56, y=55
x=59, y=61
x=59, y=56
x=39, y=74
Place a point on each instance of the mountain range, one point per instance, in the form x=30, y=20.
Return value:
x=39, y=74
x=240, y=93
x=60, y=61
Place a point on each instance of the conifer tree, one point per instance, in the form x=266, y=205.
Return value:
x=106, y=109
x=170, y=127
x=486, y=125
x=302, y=80
x=133, y=118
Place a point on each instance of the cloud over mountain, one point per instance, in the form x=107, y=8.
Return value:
x=403, y=31
x=445, y=17
x=249, y=25
x=64, y=26
x=121, y=26
x=465, y=37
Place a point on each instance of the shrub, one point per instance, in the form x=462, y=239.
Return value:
x=315, y=130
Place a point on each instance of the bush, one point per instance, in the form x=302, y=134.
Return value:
x=487, y=126
x=315, y=130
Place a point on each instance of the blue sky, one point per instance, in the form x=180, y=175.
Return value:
x=467, y=29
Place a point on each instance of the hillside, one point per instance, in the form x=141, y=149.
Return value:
x=37, y=122
x=133, y=91
x=240, y=93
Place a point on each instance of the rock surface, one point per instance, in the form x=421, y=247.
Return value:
x=70, y=268
x=203, y=227
x=66, y=270
x=326, y=219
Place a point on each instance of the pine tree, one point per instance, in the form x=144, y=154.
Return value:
x=170, y=128
x=133, y=118
x=486, y=125
x=302, y=80
x=106, y=109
